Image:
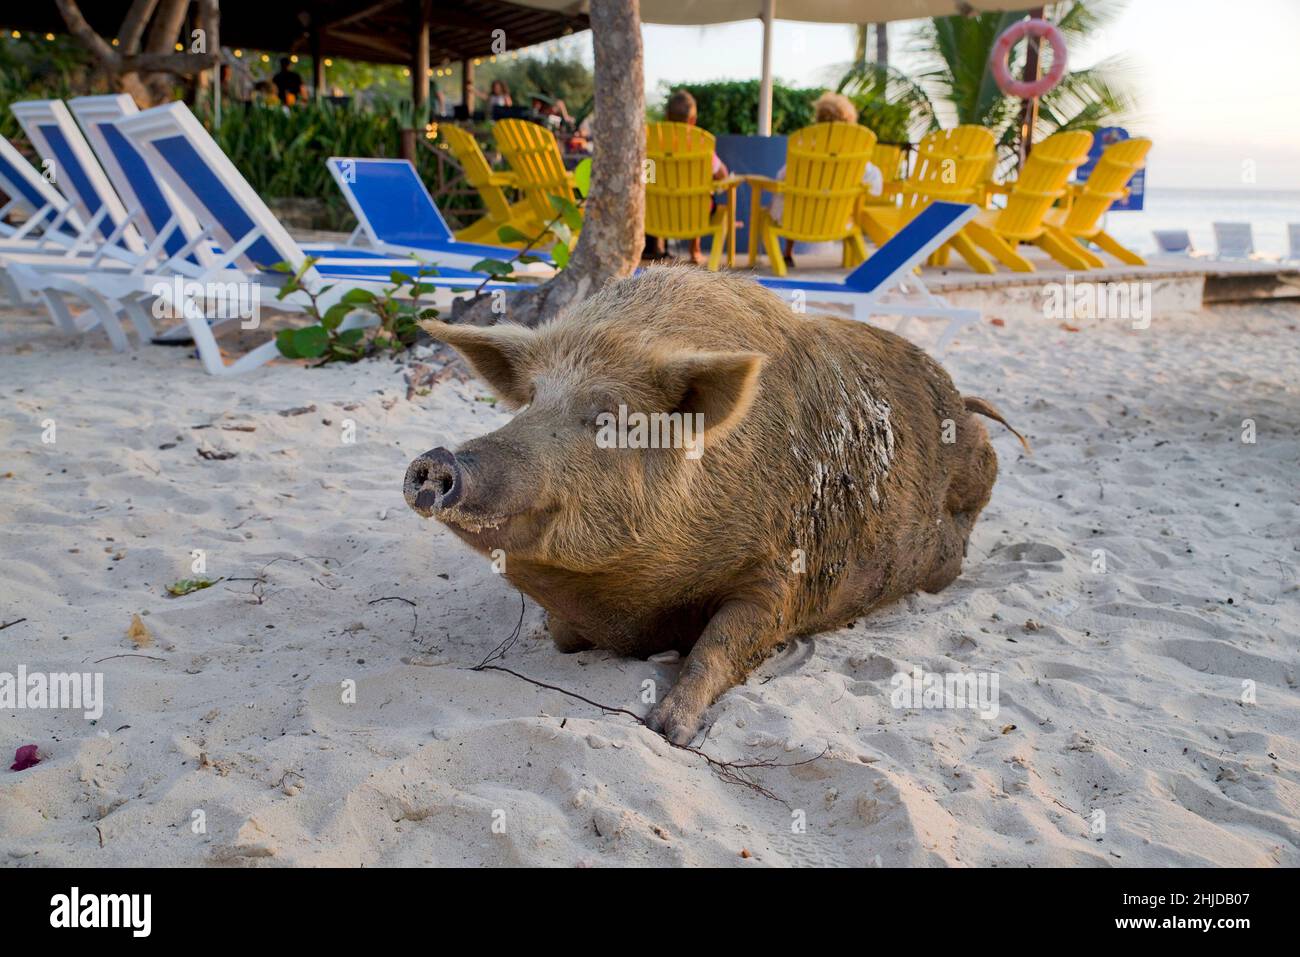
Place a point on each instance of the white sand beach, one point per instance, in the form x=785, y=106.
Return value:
x=1148, y=712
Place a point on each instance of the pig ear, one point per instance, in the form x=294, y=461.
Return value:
x=496, y=353
x=718, y=385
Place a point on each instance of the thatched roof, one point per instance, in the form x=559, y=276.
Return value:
x=377, y=31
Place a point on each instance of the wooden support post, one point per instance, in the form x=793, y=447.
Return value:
x=317, y=63
x=467, y=84
x=419, y=74
x=1029, y=112
x=765, y=80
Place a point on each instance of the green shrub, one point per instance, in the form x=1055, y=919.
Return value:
x=732, y=107
x=33, y=68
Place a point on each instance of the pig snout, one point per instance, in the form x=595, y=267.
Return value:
x=434, y=481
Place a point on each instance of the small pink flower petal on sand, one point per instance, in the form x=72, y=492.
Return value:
x=25, y=757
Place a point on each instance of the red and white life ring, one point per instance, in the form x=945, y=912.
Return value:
x=1028, y=89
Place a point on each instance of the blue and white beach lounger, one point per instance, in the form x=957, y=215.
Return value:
x=167, y=225
x=249, y=238
x=76, y=174
x=113, y=240
x=50, y=225
x=396, y=214
x=49, y=219
x=890, y=268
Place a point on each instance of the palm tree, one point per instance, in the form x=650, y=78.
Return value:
x=955, y=84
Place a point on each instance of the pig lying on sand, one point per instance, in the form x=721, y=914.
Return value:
x=840, y=470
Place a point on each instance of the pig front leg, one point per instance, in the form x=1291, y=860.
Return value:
x=738, y=637
x=566, y=639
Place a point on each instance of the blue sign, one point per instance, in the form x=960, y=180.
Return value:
x=1103, y=138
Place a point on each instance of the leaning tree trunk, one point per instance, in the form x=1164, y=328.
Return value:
x=613, y=228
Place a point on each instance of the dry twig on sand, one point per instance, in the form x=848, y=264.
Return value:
x=731, y=772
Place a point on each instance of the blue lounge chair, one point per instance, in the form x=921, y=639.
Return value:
x=396, y=214
x=868, y=288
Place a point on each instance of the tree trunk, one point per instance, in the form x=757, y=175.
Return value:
x=613, y=228
x=144, y=73
x=882, y=44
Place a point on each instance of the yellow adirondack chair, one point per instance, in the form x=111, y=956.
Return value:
x=679, y=194
x=824, y=165
x=535, y=159
x=888, y=158
x=939, y=173
x=1041, y=183
x=967, y=141
x=491, y=187
x=1081, y=222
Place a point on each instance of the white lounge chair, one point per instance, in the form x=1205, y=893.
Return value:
x=48, y=218
x=1233, y=241
x=48, y=226
x=1175, y=242
x=872, y=288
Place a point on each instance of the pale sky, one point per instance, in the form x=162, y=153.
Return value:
x=1217, y=82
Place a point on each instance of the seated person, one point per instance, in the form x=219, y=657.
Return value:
x=552, y=111
x=681, y=108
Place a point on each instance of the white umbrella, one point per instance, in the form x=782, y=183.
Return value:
x=686, y=12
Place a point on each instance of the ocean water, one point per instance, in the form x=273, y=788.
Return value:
x=1268, y=211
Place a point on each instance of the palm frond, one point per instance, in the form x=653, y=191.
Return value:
x=871, y=82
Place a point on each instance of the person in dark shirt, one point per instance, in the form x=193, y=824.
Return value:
x=288, y=83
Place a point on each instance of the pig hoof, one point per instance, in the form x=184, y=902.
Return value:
x=673, y=722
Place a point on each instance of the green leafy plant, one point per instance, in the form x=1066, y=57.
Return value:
x=398, y=309
x=187, y=585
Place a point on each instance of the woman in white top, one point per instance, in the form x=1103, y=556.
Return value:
x=500, y=95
